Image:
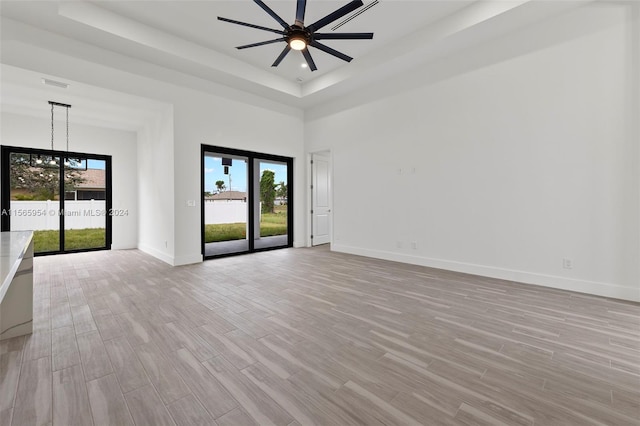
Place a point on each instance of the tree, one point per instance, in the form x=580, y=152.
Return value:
x=220, y=185
x=267, y=191
x=282, y=191
x=40, y=181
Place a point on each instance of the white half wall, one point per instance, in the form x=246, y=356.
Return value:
x=31, y=132
x=506, y=161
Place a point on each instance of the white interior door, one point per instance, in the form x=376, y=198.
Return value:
x=321, y=200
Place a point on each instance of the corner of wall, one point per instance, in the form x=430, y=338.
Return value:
x=156, y=253
x=156, y=233
x=187, y=260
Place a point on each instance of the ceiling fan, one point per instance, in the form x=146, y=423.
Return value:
x=300, y=37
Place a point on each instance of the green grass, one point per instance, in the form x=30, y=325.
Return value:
x=75, y=239
x=271, y=224
x=225, y=232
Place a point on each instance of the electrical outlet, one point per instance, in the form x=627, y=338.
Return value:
x=191, y=203
x=567, y=263
x=414, y=245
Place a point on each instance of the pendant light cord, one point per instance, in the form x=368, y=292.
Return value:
x=67, y=130
x=51, y=127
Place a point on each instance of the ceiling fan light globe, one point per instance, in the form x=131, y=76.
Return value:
x=297, y=44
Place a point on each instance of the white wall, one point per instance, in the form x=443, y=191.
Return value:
x=511, y=156
x=169, y=145
x=504, y=167
x=156, y=180
x=31, y=132
x=204, y=119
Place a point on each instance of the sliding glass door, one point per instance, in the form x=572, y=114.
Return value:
x=85, y=200
x=272, y=201
x=65, y=198
x=225, y=204
x=34, y=188
x=246, y=201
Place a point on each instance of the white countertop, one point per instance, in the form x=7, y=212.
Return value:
x=12, y=248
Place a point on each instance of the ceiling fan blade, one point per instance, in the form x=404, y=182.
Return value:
x=282, y=55
x=258, y=27
x=309, y=59
x=300, y=8
x=331, y=51
x=272, y=13
x=262, y=43
x=348, y=8
x=343, y=36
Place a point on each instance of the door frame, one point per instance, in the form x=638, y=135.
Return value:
x=5, y=188
x=328, y=153
x=251, y=156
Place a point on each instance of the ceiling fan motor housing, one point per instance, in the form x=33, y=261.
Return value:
x=300, y=36
x=295, y=32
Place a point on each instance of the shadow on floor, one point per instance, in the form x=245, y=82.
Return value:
x=240, y=246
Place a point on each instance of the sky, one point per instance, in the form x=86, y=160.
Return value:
x=213, y=171
x=96, y=164
x=93, y=164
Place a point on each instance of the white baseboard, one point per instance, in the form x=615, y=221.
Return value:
x=187, y=260
x=156, y=253
x=582, y=286
x=173, y=261
x=124, y=246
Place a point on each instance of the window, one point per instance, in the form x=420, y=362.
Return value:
x=32, y=183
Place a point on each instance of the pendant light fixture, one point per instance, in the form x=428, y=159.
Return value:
x=67, y=106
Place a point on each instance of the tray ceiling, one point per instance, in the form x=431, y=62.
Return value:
x=187, y=37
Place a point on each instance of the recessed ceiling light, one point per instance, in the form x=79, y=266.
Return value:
x=49, y=82
x=304, y=65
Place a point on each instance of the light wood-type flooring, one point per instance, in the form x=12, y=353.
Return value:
x=307, y=336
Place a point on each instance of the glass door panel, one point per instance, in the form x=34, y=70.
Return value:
x=225, y=204
x=65, y=201
x=85, y=209
x=272, y=204
x=35, y=198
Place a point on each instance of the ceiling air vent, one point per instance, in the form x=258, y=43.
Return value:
x=54, y=83
x=355, y=14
